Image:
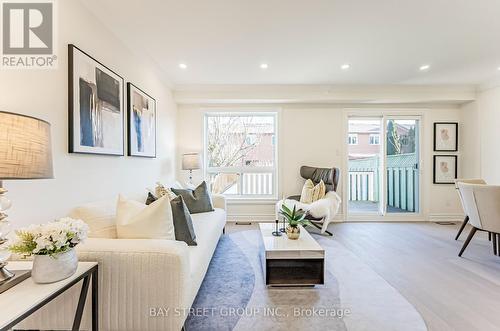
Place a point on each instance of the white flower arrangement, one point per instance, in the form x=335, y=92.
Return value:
x=51, y=238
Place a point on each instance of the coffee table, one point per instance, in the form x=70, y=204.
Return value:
x=289, y=262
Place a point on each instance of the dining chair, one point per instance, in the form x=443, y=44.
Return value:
x=466, y=220
x=481, y=203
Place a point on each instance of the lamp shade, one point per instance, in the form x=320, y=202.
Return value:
x=25, y=147
x=191, y=161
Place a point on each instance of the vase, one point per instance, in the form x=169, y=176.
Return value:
x=293, y=232
x=50, y=269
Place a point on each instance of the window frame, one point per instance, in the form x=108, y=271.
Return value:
x=349, y=139
x=207, y=170
x=373, y=135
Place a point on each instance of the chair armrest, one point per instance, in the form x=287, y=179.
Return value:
x=135, y=276
x=294, y=197
x=219, y=201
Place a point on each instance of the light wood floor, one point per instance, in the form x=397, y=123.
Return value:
x=420, y=260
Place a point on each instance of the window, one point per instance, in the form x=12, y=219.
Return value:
x=374, y=139
x=352, y=139
x=240, y=154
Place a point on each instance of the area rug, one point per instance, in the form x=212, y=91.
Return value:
x=233, y=295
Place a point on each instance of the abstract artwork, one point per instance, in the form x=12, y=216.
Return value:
x=96, y=111
x=445, y=169
x=446, y=137
x=141, y=122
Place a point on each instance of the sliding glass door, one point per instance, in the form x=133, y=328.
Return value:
x=365, y=158
x=402, y=165
x=383, y=161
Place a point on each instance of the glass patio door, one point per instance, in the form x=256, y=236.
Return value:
x=365, y=160
x=383, y=161
x=402, y=162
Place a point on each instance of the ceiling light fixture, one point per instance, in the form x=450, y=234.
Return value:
x=183, y=66
x=345, y=66
x=264, y=66
x=424, y=67
x=498, y=68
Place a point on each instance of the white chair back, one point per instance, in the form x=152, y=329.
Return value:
x=467, y=181
x=482, y=205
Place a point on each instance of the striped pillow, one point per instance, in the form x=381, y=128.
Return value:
x=311, y=193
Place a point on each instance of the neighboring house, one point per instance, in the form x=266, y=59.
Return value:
x=364, y=139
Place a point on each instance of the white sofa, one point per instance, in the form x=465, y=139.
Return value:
x=139, y=276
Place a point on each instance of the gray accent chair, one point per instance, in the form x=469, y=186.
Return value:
x=330, y=177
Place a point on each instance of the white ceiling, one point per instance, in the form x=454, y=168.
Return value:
x=306, y=41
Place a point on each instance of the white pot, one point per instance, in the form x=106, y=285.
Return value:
x=49, y=269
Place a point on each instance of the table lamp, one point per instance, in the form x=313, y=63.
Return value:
x=25, y=153
x=191, y=161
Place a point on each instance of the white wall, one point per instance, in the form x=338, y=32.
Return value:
x=43, y=94
x=487, y=109
x=470, y=141
x=313, y=135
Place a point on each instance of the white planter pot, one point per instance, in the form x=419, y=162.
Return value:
x=49, y=269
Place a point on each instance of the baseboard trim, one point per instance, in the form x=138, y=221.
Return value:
x=446, y=217
x=340, y=218
x=265, y=217
x=250, y=217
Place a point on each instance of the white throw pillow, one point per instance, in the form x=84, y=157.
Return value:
x=311, y=193
x=135, y=220
x=99, y=216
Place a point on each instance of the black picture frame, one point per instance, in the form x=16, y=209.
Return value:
x=436, y=157
x=130, y=151
x=436, y=125
x=72, y=147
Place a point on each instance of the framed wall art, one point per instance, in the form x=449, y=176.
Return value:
x=445, y=169
x=96, y=109
x=141, y=116
x=446, y=137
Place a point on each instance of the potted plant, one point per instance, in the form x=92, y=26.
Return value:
x=294, y=218
x=53, y=247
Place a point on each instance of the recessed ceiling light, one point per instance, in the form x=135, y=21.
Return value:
x=498, y=68
x=183, y=66
x=345, y=66
x=424, y=67
x=264, y=66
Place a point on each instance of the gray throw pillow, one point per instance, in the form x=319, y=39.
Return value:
x=183, y=224
x=197, y=200
x=151, y=198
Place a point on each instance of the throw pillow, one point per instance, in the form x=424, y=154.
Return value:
x=183, y=224
x=150, y=199
x=135, y=220
x=311, y=193
x=99, y=216
x=197, y=200
x=161, y=190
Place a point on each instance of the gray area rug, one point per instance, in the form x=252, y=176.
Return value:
x=233, y=295
x=235, y=276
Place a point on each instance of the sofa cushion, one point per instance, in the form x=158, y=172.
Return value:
x=208, y=228
x=197, y=200
x=135, y=220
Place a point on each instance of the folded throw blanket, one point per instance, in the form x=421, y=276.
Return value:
x=326, y=208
